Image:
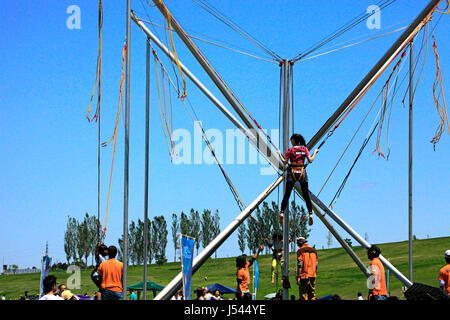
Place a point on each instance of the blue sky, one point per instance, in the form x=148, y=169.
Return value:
x=50, y=150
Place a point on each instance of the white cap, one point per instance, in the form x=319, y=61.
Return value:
x=447, y=254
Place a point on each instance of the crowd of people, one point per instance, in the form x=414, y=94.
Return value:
x=107, y=275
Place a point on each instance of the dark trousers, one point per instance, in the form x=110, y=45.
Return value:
x=307, y=289
x=246, y=297
x=111, y=295
x=290, y=183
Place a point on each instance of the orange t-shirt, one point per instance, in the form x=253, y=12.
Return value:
x=444, y=275
x=309, y=257
x=379, y=280
x=243, y=274
x=111, y=272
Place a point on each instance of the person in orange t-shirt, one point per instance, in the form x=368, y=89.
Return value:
x=377, y=280
x=111, y=274
x=243, y=275
x=306, y=270
x=444, y=274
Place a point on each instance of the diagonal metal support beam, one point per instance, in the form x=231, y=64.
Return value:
x=319, y=213
x=356, y=236
x=176, y=283
x=263, y=147
x=249, y=133
x=376, y=71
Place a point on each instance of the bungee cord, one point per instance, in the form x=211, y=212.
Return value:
x=217, y=43
x=345, y=28
x=221, y=17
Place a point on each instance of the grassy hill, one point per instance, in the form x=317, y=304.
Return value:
x=337, y=273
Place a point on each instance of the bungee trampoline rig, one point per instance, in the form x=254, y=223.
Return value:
x=250, y=128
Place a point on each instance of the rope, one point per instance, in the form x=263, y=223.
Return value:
x=348, y=145
x=446, y=10
x=221, y=17
x=349, y=109
x=98, y=77
x=354, y=44
x=385, y=91
x=162, y=107
x=350, y=25
x=442, y=109
x=169, y=17
x=425, y=35
x=341, y=187
x=114, y=136
x=215, y=43
x=175, y=53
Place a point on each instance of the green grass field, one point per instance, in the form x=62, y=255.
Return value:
x=337, y=273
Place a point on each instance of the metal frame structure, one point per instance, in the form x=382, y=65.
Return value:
x=259, y=142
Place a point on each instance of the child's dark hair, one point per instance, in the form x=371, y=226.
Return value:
x=48, y=283
x=241, y=260
x=298, y=139
x=112, y=251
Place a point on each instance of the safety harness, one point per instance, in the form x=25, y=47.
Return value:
x=297, y=168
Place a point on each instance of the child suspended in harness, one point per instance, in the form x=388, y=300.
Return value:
x=296, y=172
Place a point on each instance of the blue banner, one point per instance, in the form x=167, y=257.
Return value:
x=187, y=256
x=255, y=278
x=46, y=262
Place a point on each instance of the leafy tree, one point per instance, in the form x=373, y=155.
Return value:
x=138, y=245
x=253, y=236
x=131, y=242
x=215, y=228
x=207, y=228
x=150, y=252
x=175, y=238
x=84, y=239
x=70, y=241
x=159, y=239
x=80, y=241
x=242, y=231
x=274, y=218
x=92, y=226
x=329, y=239
x=120, y=250
x=185, y=224
x=195, y=227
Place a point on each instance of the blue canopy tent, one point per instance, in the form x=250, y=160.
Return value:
x=223, y=289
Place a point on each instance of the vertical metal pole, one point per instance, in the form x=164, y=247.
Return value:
x=98, y=178
x=147, y=136
x=410, y=209
x=126, y=156
x=285, y=122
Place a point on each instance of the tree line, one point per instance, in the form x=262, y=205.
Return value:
x=81, y=237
